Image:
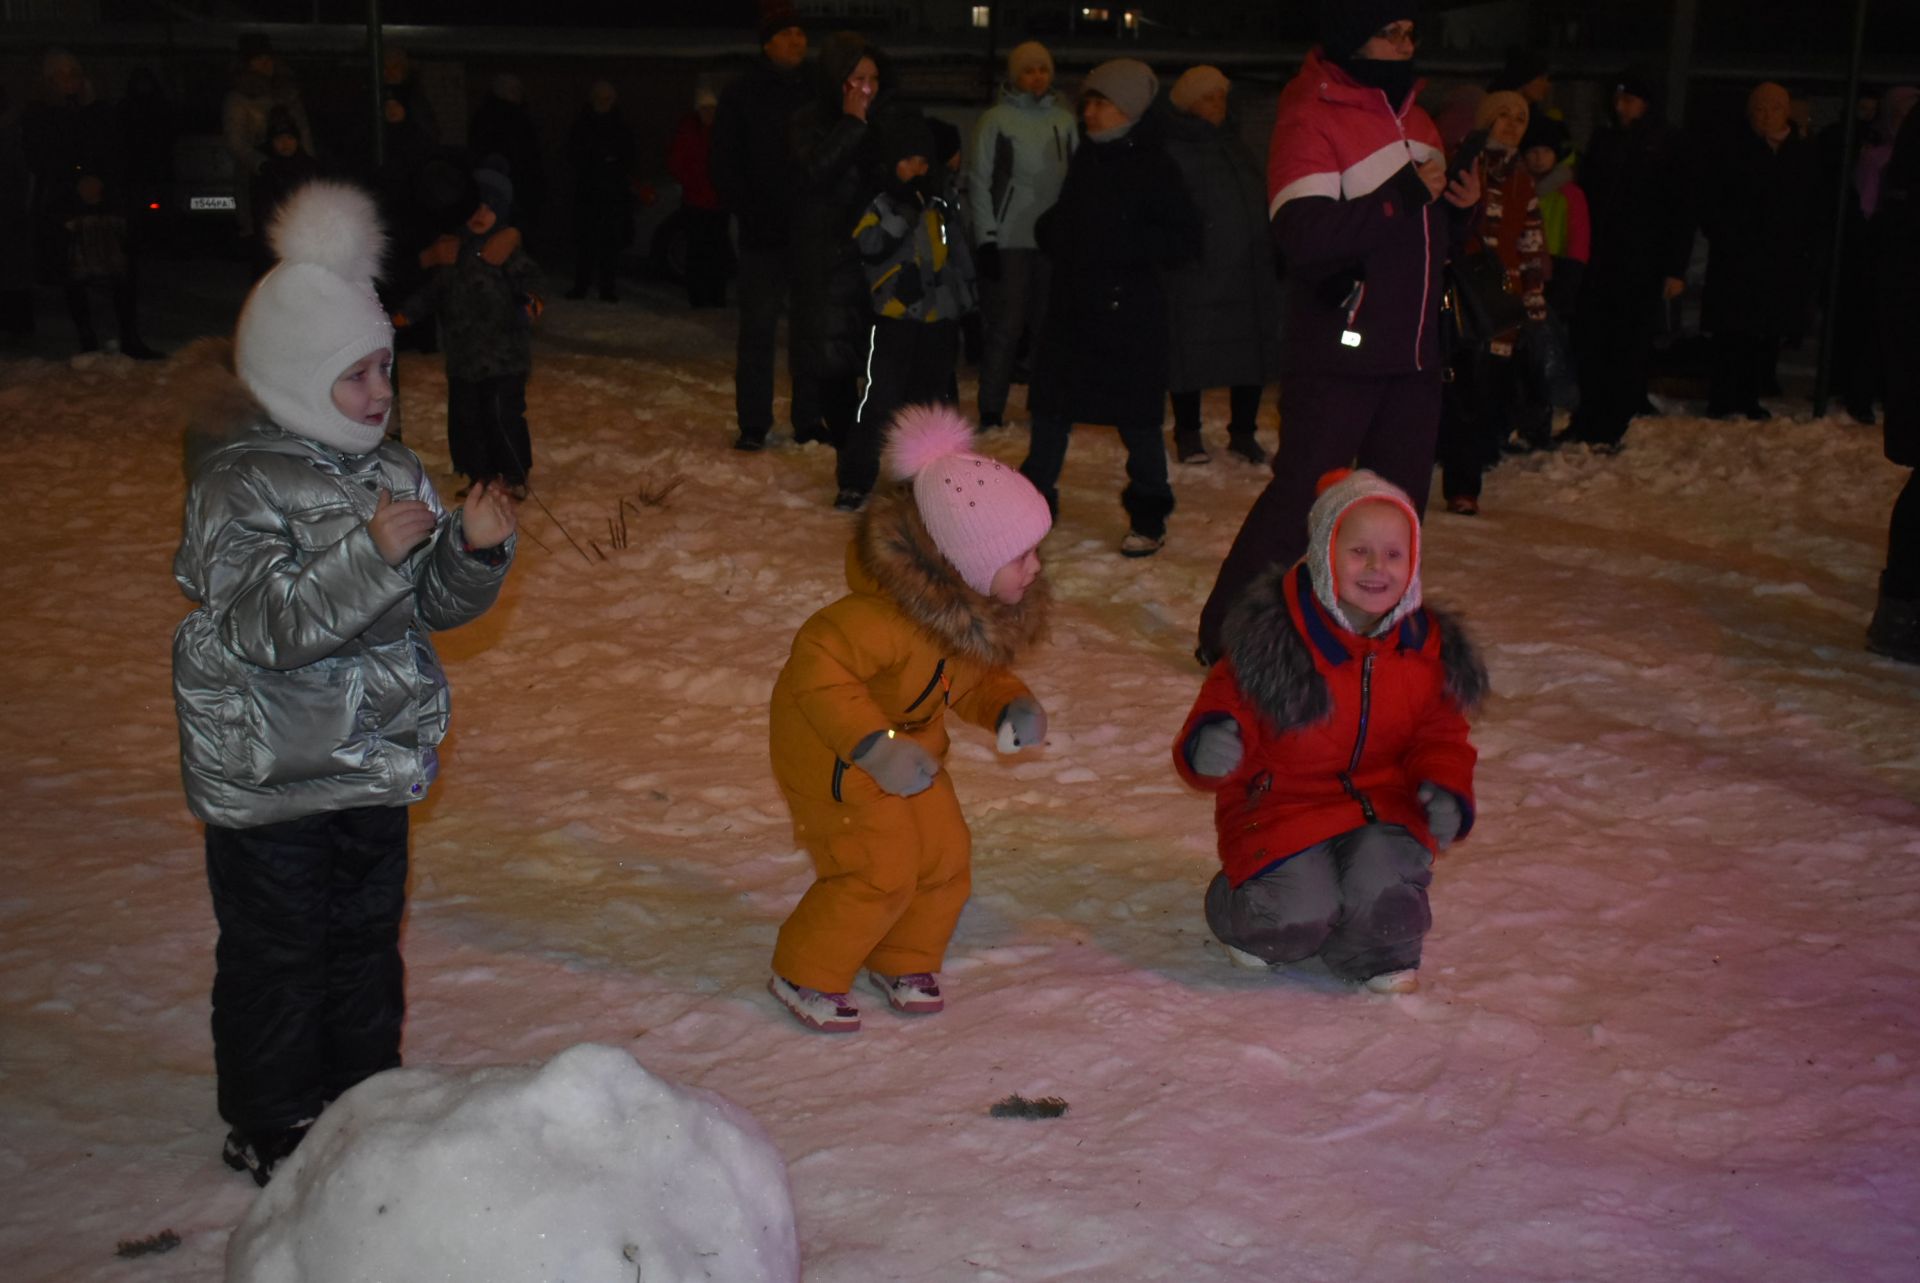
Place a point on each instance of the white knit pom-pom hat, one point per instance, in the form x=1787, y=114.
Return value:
x=316, y=313
x=981, y=513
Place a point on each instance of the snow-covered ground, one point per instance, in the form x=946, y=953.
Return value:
x=1667, y=1029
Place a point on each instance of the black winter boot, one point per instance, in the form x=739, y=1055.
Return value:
x=1895, y=630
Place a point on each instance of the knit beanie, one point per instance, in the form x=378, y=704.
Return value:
x=1339, y=491
x=981, y=514
x=1345, y=25
x=1023, y=57
x=315, y=314
x=1127, y=83
x=1544, y=131
x=776, y=18
x=1491, y=105
x=1196, y=83
x=1524, y=65
x=496, y=189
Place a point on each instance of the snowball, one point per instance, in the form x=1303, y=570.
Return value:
x=587, y=1169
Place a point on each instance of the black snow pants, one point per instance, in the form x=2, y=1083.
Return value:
x=308, y=987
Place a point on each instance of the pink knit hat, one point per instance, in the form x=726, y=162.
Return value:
x=981, y=513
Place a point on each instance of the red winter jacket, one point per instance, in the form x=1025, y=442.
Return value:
x=1339, y=730
x=688, y=160
x=1349, y=209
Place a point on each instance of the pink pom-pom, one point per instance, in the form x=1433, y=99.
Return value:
x=922, y=434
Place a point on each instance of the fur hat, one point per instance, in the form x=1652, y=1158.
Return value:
x=1340, y=491
x=1028, y=55
x=315, y=314
x=1127, y=83
x=1196, y=83
x=980, y=513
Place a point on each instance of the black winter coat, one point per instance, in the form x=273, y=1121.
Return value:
x=1123, y=217
x=752, y=157
x=1640, y=198
x=835, y=174
x=506, y=129
x=1895, y=236
x=1759, y=220
x=600, y=146
x=1226, y=305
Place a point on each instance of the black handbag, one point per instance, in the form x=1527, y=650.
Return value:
x=1482, y=305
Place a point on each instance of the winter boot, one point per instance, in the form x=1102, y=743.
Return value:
x=1895, y=630
x=1190, y=449
x=1394, y=981
x=1244, y=445
x=830, y=1013
x=917, y=994
x=1241, y=958
x=258, y=1153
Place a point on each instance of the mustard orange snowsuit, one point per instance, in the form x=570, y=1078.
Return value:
x=908, y=642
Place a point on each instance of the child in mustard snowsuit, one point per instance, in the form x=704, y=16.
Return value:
x=945, y=592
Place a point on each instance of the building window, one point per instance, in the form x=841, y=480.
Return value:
x=982, y=15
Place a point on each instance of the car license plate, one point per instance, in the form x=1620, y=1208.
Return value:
x=210, y=202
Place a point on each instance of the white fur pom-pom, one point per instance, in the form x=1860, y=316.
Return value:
x=922, y=434
x=331, y=225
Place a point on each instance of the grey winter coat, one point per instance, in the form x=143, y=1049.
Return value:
x=304, y=681
x=1016, y=167
x=1225, y=306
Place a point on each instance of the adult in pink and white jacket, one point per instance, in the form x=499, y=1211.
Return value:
x=1364, y=216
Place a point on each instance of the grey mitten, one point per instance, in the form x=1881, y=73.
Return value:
x=897, y=764
x=1023, y=723
x=1215, y=749
x=1443, y=814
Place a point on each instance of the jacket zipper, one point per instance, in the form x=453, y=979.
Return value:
x=1360, y=742
x=1426, y=239
x=938, y=669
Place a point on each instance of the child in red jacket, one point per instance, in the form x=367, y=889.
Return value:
x=1333, y=734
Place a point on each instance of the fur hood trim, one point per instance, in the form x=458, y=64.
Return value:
x=893, y=550
x=1274, y=663
x=206, y=398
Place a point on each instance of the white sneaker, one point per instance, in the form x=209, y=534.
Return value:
x=830, y=1013
x=1139, y=545
x=917, y=994
x=1394, y=981
x=1241, y=958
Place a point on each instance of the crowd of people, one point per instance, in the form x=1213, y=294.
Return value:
x=1421, y=288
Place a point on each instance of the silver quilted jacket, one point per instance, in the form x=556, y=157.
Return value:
x=305, y=681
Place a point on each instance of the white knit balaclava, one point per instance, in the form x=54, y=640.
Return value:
x=315, y=314
x=1339, y=493
x=981, y=514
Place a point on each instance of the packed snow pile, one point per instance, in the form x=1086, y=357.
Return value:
x=586, y=1169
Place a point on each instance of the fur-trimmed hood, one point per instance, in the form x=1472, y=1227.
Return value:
x=894, y=556
x=209, y=402
x=1273, y=661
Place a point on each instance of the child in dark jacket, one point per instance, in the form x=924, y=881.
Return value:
x=478, y=284
x=1333, y=735
x=920, y=279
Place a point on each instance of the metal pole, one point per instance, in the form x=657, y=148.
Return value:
x=1686, y=16
x=378, y=59
x=1823, y=372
